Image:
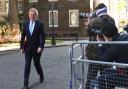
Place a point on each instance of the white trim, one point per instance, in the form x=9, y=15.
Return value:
x=6, y=7
x=72, y=0
x=76, y=16
x=55, y=24
x=52, y=0
x=30, y=1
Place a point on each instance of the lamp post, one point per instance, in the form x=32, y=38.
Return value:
x=53, y=41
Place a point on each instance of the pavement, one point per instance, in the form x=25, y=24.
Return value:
x=16, y=46
x=56, y=67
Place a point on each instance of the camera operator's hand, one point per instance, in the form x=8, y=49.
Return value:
x=86, y=22
x=100, y=38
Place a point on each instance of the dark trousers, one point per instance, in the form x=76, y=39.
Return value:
x=36, y=59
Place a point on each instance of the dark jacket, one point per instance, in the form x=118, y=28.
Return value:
x=116, y=52
x=37, y=39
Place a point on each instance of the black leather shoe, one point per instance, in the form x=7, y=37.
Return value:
x=25, y=87
x=41, y=79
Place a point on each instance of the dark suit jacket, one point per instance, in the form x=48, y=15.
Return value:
x=37, y=39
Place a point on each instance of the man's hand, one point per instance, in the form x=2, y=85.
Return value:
x=39, y=50
x=22, y=51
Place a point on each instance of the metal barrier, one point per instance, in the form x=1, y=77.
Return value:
x=114, y=75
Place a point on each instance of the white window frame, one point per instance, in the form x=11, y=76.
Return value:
x=72, y=0
x=31, y=1
x=76, y=16
x=50, y=18
x=6, y=6
x=52, y=0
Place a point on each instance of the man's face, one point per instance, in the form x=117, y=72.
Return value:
x=32, y=16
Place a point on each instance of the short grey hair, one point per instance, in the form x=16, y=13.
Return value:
x=33, y=10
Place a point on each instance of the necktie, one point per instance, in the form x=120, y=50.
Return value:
x=31, y=27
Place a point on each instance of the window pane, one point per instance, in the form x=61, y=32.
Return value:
x=73, y=18
x=72, y=0
x=6, y=6
x=52, y=0
x=33, y=0
x=53, y=21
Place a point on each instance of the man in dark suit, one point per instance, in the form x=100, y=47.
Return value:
x=32, y=44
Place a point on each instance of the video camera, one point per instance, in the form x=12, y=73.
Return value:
x=87, y=15
x=96, y=32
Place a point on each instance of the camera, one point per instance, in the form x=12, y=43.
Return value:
x=86, y=15
x=96, y=31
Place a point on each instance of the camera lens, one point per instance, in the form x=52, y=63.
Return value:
x=82, y=15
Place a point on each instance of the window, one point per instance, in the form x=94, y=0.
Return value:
x=19, y=4
x=33, y=0
x=20, y=7
x=53, y=21
x=0, y=6
x=72, y=0
x=52, y=0
x=6, y=6
x=73, y=18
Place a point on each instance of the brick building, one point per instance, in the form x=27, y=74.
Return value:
x=65, y=13
x=66, y=22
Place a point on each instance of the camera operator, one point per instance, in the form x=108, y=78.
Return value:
x=92, y=50
x=98, y=17
x=96, y=22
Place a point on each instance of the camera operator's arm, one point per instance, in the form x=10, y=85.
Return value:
x=86, y=22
